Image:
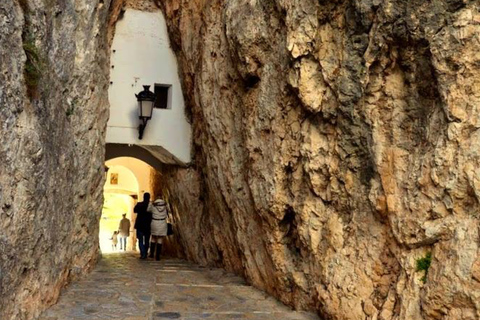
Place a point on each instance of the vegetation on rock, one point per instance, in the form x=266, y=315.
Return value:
x=423, y=264
x=33, y=66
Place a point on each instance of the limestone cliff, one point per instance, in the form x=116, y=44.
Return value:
x=336, y=151
x=53, y=113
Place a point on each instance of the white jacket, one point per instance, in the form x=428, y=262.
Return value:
x=159, y=219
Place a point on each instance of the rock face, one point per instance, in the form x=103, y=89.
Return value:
x=53, y=113
x=336, y=149
x=336, y=145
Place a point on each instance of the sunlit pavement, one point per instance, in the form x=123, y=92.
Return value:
x=124, y=287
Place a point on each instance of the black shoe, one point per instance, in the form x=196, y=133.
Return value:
x=159, y=251
x=152, y=249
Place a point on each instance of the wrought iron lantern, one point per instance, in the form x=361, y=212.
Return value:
x=146, y=101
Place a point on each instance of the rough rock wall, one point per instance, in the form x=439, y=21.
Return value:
x=53, y=113
x=336, y=145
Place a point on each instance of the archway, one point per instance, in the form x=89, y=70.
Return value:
x=127, y=179
x=118, y=150
x=120, y=193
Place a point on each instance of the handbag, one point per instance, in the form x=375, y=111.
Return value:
x=169, y=229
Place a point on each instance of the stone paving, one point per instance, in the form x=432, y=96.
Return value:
x=124, y=287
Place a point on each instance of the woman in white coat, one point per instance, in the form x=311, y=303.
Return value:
x=159, y=227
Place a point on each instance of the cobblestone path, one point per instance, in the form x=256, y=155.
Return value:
x=124, y=287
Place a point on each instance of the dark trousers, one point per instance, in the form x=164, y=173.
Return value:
x=143, y=241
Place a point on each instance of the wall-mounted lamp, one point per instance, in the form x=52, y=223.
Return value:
x=146, y=101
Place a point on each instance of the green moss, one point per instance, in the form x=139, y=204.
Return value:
x=69, y=112
x=423, y=264
x=33, y=66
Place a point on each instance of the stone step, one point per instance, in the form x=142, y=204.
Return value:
x=125, y=288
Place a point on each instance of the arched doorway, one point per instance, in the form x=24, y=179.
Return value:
x=127, y=179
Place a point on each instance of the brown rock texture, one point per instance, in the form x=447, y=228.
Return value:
x=336, y=144
x=53, y=113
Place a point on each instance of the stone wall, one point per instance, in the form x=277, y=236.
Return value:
x=336, y=147
x=53, y=113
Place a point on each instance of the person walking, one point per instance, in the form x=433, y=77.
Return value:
x=159, y=227
x=142, y=224
x=124, y=231
x=114, y=239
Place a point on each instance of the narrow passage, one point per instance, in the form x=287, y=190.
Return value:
x=124, y=287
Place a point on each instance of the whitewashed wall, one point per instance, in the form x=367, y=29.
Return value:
x=141, y=55
x=141, y=171
x=127, y=181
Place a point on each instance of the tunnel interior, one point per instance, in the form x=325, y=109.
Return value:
x=130, y=172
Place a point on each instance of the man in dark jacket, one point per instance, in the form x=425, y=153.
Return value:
x=142, y=225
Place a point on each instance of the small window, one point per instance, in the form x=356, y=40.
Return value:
x=162, y=94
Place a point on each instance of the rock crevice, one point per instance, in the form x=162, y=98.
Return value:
x=335, y=146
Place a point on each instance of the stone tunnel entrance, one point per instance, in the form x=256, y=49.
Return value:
x=130, y=172
x=333, y=161
x=128, y=288
x=127, y=179
x=172, y=288
x=120, y=194
x=141, y=55
x=133, y=168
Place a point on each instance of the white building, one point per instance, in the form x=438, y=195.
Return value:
x=141, y=55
